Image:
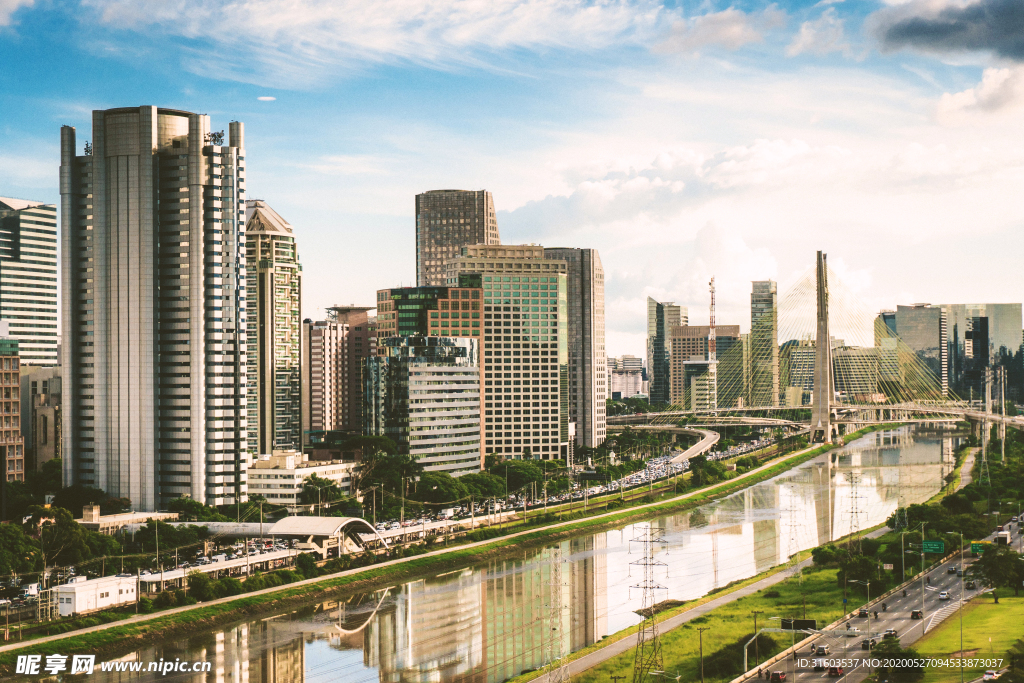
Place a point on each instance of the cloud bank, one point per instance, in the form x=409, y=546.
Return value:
x=995, y=26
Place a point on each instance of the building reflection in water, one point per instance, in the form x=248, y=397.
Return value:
x=489, y=623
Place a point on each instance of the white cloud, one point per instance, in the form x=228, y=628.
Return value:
x=293, y=42
x=9, y=7
x=731, y=29
x=821, y=36
x=999, y=90
x=266, y=98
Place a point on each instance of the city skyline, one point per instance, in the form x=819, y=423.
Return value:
x=862, y=137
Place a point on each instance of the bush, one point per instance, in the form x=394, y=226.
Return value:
x=228, y=586
x=306, y=565
x=200, y=586
x=181, y=598
x=145, y=605
x=165, y=599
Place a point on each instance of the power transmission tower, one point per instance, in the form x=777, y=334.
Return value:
x=557, y=665
x=648, y=647
x=855, y=513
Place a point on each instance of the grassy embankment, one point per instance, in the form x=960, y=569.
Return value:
x=122, y=637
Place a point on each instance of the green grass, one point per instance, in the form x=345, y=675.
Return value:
x=988, y=628
x=123, y=636
x=733, y=623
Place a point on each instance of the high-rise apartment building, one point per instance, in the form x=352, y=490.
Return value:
x=625, y=376
x=690, y=346
x=335, y=350
x=274, y=298
x=764, y=344
x=10, y=405
x=446, y=221
x=525, y=357
x=588, y=371
x=28, y=277
x=41, y=395
x=424, y=393
x=661, y=318
x=153, y=307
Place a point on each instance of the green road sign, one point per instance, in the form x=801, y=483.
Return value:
x=977, y=548
x=934, y=547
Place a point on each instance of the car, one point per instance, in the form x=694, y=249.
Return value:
x=890, y=633
x=862, y=613
x=990, y=675
x=819, y=664
x=969, y=584
x=944, y=595
x=951, y=569
x=835, y=671
x=823, y=650
x=959, y=572
x=778, y=676
x=917, y=614
x=852, y=631
x=868, y=644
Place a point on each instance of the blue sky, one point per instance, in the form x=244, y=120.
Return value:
x=682, y=139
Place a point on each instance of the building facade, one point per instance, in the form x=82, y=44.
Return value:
x=153, y=307
x=689, y=346
x=525, y=357
x=335, y=351
x=28, y=278
x=279, y=476
x=274, y=298
x=764, y=344
x=588, y=368
x=447, y=221
x=662, y=317
x=10, y=404
x=41, y=394
x=979, y=336
x=625, y=377
x=423, y=392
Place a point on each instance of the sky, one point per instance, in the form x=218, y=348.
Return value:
x=682, y=139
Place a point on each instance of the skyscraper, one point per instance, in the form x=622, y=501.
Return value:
x=689, y=347
x=10, y=431
x=153, y=307
x=588, y=371
x=424, y=393
x=274, y=296
x=446, y=221
x=661, y=318
x=28, y=277
x=979, y=336
x=525, y=357
x=335, y=351
x=764, y=344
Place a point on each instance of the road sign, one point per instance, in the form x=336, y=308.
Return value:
x=934, y=547
x=887, y=567
x=977, y=547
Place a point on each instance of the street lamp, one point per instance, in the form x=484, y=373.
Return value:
x=865, y=583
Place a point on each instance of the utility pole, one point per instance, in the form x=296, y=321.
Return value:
x=757, y=653
x=558, y=668
x=700, y=632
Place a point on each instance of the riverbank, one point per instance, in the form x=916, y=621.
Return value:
x=134, y=631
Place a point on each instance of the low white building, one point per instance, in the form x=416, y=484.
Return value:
x=111, y=524
x=82, y=597
x=278, y=477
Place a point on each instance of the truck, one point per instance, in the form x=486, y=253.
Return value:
x=447, y=513
x=30, y=589
x=1003, y=538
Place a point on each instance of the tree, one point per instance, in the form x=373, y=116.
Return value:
x=518, y=473
x=319, y=491
x=958, y=504
x=1000, y=567
x=306, y=565
x=373, y=449
x=200, y=586
x=483, y=484
x=16, y=550
x=190, y=510
x=889, y=651
x=61, y=540
x=76, y=496
x=439, y=487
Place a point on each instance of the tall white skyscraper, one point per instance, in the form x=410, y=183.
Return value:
x=28, y=278
x=153, y=309
x=274, y=296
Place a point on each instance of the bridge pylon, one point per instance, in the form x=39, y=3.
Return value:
x=822, y=428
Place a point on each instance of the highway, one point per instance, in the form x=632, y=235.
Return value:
x=847, y=645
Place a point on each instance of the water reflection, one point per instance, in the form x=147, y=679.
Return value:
x=488, y=623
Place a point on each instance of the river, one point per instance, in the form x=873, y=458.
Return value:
x=490, y=622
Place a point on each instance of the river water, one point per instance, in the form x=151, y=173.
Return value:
x=490, y=622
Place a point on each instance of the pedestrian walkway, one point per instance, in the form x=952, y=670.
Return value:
x=965, y=469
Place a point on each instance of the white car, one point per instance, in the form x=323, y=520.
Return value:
x=943, y=595
x=990, y=675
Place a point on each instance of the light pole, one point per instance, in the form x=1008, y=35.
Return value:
x=757, y=653
x=700, y=631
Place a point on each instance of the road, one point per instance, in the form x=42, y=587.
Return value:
x=965, y=470
x=921, y=594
